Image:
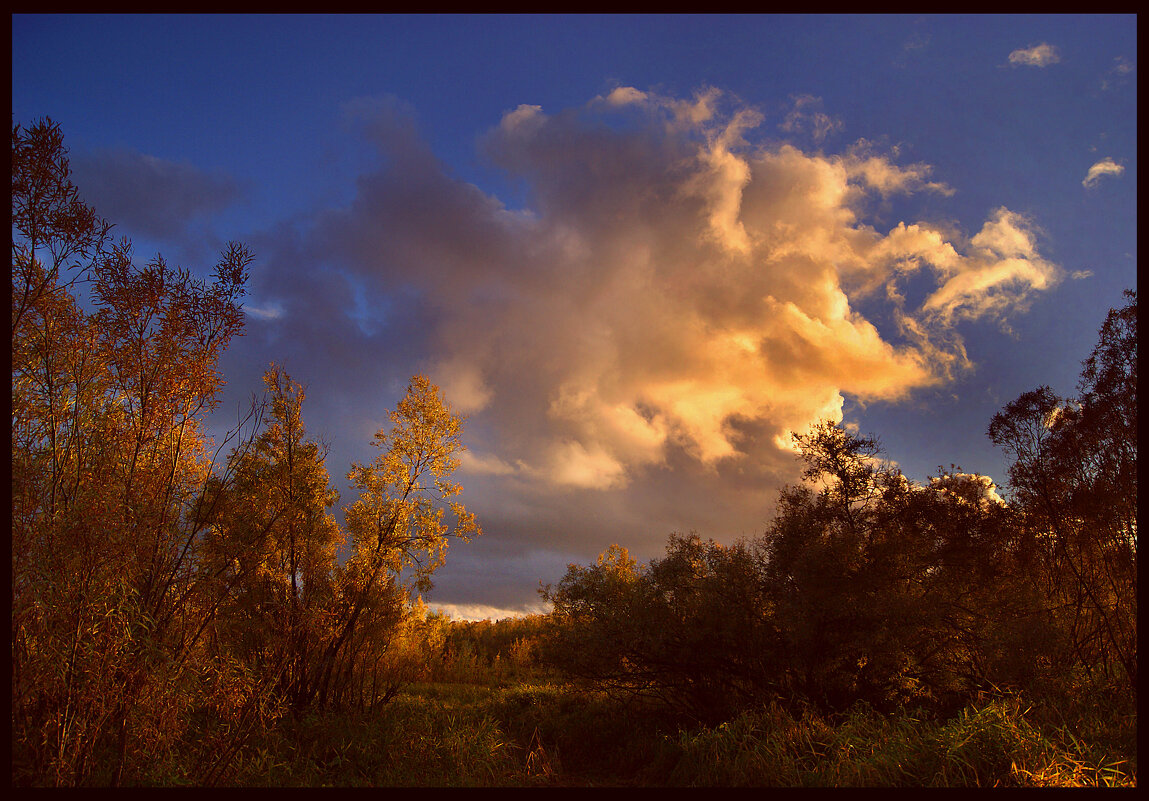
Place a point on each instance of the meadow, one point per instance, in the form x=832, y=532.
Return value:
x=487, y=721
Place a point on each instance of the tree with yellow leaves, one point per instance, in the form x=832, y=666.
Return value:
x=109, y=473
x=275, y=544
x=400, y=532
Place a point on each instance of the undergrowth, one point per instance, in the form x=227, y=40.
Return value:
x=466, y=735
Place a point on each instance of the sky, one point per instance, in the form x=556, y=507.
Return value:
x=635, y=252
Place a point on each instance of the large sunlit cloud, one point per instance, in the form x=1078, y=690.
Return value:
x=1106, y=166
x=677, y=297
x=1041, y=55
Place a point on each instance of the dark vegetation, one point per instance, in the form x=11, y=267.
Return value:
x=183, y=615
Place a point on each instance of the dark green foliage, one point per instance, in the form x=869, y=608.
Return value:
x=870, y=588
x=1074, y=482
x=533, y=735
x=692, y=630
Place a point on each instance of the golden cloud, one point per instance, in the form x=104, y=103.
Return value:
x=678, y=291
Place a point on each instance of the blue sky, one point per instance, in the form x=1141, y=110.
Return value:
x=634, y=250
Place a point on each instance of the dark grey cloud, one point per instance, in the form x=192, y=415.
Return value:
x=150, y=196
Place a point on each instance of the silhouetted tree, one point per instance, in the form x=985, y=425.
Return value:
x=1074, y=478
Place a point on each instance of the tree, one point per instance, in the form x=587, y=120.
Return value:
x=53, y=225
x=275, y=544
x=398, y=529
x=1074, y=478
x=598, y=622
x=884, y=590
x=110, y=470
x=691, y=630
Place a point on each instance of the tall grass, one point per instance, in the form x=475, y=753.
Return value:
x=410, y=743
x=990, y=745
x=544, y=734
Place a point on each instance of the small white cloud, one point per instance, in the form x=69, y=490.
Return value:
x=1119, y=74
x=272, y=312
x=970, y=487
x=1078, y=275
x=879, y=173
x=1099, y=170
x=524, y=120
x=1041, y=55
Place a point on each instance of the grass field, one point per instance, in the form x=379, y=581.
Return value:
x=522, y=735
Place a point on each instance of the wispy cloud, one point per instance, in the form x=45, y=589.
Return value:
x=1119, y=74
x=1041, y=55
x=996, y=277
x=807, y=117
x=876, y=171
x=1106, y=166
x=263, y=312
x=912, y=48
x=483, y=611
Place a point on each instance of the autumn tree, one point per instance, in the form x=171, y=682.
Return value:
x=59, y=237
x=274, y=544
x=113, y=368
x=480, y=651
x=400, y=527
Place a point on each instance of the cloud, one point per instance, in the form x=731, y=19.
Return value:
x=878, y=173
x=263, y=312
x=807, y=118
x=1041, y=55
x=150, y=196
x=634, y=348
x=1122, y=66
x=971, y=487
x=916, y=41
x=483, y=611
x=1106, y=166
x=1002, y=269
